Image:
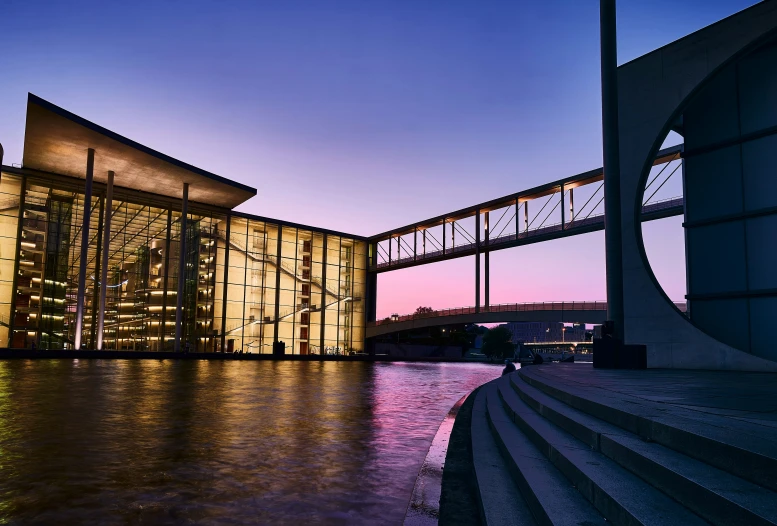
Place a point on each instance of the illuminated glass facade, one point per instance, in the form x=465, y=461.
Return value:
x=248, y=281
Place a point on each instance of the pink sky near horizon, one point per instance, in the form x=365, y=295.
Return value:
x=360, y=117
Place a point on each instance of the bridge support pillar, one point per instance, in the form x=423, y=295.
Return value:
x=487, y=265
x=477, y=261
x=612, y=198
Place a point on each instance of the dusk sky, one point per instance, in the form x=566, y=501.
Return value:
x=359, y=116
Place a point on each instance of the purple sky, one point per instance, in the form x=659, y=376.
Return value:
x=359, y=116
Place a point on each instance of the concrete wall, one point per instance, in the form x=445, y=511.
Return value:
x=654, y=90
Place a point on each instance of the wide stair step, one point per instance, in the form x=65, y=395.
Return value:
x=749, y=451
x=716, y=495
x=541, y=460
x=497, y=494
x=621, y=496
x=550, y=497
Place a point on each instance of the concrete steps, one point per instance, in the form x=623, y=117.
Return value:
x=570, y=466
x=498, y=497
x=750, y=452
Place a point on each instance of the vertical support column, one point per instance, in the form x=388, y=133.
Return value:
x=571, y=205
x=276, y=322
x=612, y=188
x=84, y=248
x=526, y=216
x=487, y=253
x=517, y=217
x=323, y=293
x=477, y=261
x=389, y=247
x=224, y=292
x=399, y=248
x=424, y=248
x=415, y=244
x=181, y=269
x=453, y=236
x=444, y=221
x=104, y=263
x=97, y=271
x=563, y=208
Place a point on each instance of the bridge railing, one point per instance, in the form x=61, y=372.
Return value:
x=507, y=307
x=501, y=307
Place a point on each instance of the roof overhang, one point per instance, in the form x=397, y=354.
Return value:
x=56, y=141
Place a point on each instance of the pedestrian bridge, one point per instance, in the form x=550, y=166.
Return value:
x=591, y=312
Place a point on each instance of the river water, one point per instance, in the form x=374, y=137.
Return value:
x=218, y=442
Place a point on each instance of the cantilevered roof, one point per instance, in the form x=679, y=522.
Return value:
x=57, y=141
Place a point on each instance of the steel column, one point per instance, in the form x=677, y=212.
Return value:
x=487, y=277
x=104, y=265
x=444, y=221
x=415, y=244
x=181, y=269
x=424, y=248
x=477, y=261
x=612, y=205
x=563, y=208
x=526, y=216
x=517, y=217
x=97, y=270
x=571, y=204
x=84, y=248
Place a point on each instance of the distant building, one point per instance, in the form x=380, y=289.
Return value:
x=537, y=331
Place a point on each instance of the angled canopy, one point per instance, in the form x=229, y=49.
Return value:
x=57, y=141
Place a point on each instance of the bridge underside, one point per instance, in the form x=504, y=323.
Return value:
x=566, y=316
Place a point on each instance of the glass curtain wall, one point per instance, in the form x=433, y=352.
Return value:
x=10, y=192
x=283, y=284
x=142, y=271
x=292, y=282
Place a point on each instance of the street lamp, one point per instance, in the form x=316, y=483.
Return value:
x=563, y=330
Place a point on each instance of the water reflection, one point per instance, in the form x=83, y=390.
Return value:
x=218, y=441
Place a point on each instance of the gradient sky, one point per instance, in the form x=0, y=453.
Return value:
x=359, y=116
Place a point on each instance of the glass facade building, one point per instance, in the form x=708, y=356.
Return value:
x=247, y=282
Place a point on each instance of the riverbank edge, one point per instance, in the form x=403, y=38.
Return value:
x=458, y=503
x=162, y=355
